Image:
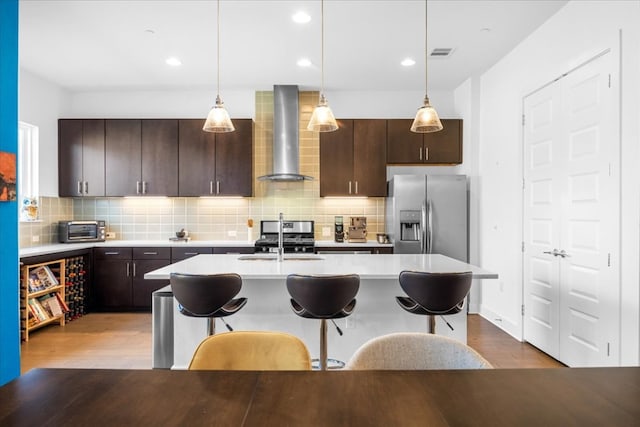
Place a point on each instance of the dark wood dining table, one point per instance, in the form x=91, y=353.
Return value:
x=496, y=397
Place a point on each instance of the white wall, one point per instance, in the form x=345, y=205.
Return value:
x=576, y=33
x=41, y=103
x=241, y=104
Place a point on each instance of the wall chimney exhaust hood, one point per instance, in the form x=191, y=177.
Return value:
x=286, y=142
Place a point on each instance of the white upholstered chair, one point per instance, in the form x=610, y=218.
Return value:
x=406, y=351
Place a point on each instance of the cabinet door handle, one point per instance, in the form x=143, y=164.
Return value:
x=349, y=187
x=79, y=187
x=356, y=187
x=128, y=270
x=137, y=187
x=426, y=153
x=217, y=187
x=210, y=187
x=86, y=187
x=420, y=153
x=134, y=269
x=144, y=187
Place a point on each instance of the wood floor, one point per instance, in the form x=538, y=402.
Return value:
x=123, y=341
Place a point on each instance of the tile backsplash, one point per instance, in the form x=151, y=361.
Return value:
x=217, y=218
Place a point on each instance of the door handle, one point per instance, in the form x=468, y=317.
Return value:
x=563, y=254
x=556, y=252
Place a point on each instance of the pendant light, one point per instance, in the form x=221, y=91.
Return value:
x=427, y=119
x=218, y=119
x=322, y=119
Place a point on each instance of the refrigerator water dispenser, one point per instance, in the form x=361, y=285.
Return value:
x=410, y=226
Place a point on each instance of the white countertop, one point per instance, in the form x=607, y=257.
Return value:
x=64, y=247
x=367, y=266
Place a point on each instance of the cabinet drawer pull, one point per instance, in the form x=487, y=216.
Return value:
x=191, y=253
x=150, y=253
x=112, y=253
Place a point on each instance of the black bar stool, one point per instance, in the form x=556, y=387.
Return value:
x=209, y=296
x=434, y=294
x=323, y=297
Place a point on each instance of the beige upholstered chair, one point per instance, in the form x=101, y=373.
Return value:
x=251, y=351
x=416, y=351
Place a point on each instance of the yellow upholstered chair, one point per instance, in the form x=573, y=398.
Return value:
x=251, y=351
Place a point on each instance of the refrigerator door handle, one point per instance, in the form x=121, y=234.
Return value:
x=423, y=229
x=429, y=227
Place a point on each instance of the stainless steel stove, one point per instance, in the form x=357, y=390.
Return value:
x=298, y=236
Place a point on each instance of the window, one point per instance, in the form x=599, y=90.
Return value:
x=28, y=171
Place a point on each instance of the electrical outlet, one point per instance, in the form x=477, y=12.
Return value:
x=110, y=235
x=232, y=233
x=35, y=239
x=326, y=231
x=350, y=322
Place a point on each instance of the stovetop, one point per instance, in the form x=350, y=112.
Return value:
x=298, y=236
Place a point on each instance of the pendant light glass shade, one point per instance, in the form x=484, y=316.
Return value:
x=427, y=119
x=218, y=119
x=322, y=119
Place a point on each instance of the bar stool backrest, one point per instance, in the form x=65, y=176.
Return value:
x=204, y=294
x=323, y=296
x=438, y=293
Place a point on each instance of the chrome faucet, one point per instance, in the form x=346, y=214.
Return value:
x=281, y=237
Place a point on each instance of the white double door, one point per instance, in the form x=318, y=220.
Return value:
x=571, y=218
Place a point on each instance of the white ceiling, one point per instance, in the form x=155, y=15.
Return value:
x=104, y=45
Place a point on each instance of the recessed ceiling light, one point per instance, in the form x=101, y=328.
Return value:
x=173, y=61
x=408, y=62
x=301, y=17
x=303, y=62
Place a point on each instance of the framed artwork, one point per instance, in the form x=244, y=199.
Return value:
x=7, y=176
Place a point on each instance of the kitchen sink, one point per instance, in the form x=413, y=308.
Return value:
x=274, y=258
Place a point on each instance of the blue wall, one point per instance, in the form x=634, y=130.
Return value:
x=9, y=306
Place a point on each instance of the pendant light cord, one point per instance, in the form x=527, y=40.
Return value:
x=321, y=47
x=218, y=49
x=425, y=48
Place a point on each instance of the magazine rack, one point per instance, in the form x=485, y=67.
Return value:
x=42, y=296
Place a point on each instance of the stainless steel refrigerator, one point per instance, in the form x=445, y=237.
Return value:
x=429, y=214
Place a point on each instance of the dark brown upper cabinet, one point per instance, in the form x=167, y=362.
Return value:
x=141, y=157
x=81, y=158
x=436, y=148
x=215, y=164
x=353, y=159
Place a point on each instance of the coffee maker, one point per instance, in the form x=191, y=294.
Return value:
x=338, y=230
x=358, y=229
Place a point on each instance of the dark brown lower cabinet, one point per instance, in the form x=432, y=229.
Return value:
x=119, y=283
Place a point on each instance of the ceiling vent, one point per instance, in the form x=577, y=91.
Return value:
x=441, y=52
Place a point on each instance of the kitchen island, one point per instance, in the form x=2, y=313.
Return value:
x=268, y=306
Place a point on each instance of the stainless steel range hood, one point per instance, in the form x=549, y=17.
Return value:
x=286, y=142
